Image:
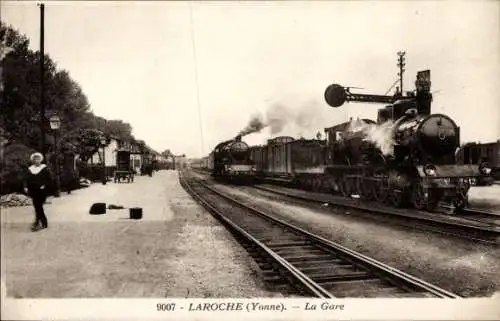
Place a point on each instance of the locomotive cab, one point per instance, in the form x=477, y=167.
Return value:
x=402, y=107
x=384, y=114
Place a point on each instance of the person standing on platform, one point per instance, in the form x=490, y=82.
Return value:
x=36, y=185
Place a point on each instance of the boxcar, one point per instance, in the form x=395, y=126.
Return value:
x=295, y=161
x=259, y=156
x=473, y=153
x=278, y=157
x=307, y=156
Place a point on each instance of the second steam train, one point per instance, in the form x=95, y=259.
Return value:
x=231, y=160
x=407, y=157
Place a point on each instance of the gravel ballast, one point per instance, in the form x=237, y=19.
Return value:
x=467, y=269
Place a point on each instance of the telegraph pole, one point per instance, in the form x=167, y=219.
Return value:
x=42, y=73
x=401, y=65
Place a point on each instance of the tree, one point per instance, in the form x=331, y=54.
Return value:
x=86, y=142
x=20, y=94
x=15, y=160
x=119, y=129
x=21, y=90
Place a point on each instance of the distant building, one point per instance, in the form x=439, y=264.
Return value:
x=140, y=154
x=109, y=153
x=180, y=161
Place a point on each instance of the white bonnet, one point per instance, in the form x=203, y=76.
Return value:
x=36, y=155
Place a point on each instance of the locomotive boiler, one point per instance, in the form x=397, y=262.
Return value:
x=231, y=160
x=407, y=156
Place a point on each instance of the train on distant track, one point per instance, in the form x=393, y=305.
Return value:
x=408, y=157
x=230, y=160
x=476, y=153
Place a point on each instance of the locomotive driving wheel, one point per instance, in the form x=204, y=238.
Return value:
x=461, y=200
x=363, y=188
x=345, y=186
x=331, y=184
x=422, y=199
x=397, y=197
x=316, y=184
x=380, y=186
x=419, y=197
x=367, y=187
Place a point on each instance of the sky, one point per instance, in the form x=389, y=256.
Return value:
x=187, y=75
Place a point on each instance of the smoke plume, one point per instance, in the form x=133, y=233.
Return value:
x=304, y=117
x=277, y=117
x=380, y=135
x=255, y=125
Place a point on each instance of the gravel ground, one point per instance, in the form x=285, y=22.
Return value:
x=214, y=264
x=466, y=269
x=177, y=250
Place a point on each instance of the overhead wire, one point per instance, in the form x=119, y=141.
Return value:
x=193, y=43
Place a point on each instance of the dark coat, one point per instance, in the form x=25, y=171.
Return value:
x=35, y=182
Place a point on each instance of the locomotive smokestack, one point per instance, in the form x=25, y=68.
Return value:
x=238, y=138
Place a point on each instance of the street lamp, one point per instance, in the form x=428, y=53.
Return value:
x=55, y=124
x=3, y=142
x=103, y=144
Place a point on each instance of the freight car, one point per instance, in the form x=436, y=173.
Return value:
x=203, y=163
x=230, y=160
x=285, y=159
x=406, y=157
x=476, y=153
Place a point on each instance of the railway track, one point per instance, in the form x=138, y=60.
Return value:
x=298, y=261
x=473, y=224
x=481, y=215
x=476, y=225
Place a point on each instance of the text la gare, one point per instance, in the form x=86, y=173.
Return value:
x=323, y=306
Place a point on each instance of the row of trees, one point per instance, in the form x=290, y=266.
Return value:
x=20, y=95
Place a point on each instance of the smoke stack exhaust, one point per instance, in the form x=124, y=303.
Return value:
x=255, y=125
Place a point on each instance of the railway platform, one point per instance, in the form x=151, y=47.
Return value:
x=176, y=250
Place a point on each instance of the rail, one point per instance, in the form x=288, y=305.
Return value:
x=482, y=231
x=320, y=253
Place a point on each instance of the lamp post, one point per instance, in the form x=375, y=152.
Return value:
x=104, y=177
x=3, y=142
x=55, y=124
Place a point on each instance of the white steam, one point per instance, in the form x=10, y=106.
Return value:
x=380, y=135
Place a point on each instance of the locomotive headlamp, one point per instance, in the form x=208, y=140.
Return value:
x=430, y=170
x=485, y=169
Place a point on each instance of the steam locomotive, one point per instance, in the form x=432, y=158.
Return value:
x=230, y=160
x=413, y=164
